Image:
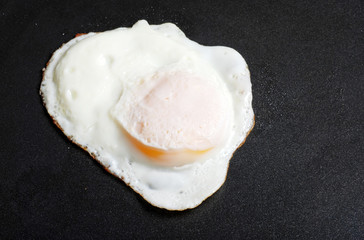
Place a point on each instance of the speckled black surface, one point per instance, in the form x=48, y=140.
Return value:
x=300, y=174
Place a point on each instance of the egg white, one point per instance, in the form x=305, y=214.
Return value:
x=172, y=188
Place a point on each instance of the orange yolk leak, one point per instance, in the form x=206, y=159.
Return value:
x=167, y=157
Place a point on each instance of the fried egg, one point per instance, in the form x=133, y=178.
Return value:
x=159, y=111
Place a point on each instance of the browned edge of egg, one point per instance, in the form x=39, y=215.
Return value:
x=108, y=170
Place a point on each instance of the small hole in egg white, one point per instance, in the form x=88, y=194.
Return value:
x=151, y=186
x=74, y=94
x=110, y=60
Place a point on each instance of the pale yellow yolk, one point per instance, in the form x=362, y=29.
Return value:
x=179, y=118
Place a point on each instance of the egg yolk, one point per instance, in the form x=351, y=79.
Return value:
x=180, y=117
